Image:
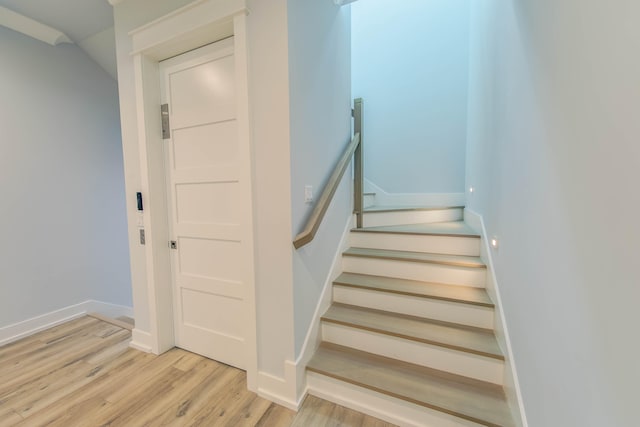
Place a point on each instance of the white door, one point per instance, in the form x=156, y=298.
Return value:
x=208, y=199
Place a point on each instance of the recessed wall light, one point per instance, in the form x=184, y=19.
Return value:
x=494, y=242
x=471, y=190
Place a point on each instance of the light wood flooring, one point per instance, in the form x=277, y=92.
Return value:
x=83, y=373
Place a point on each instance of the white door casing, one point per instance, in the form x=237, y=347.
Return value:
x=185, y=29
x=206, y=198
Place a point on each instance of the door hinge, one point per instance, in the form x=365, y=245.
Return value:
x=173, y=244
x=164, y=114
x=353, y=113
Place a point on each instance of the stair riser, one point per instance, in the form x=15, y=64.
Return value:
x=450, y=245
x=388, y=408
x=447, y=311
x=444, y=359
x=415, y=271
x=376, y=219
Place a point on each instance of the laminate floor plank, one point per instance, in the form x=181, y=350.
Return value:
x=276, y=416
x=83, y=374
x=9, y=418
x=176, y=390
x=64, y=356
x=184, y=409
x=43, y=351
x=74, y=405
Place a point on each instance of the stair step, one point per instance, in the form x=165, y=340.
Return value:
x=428, y=267
x=452, y=238
x=448, y=228
x=466, y=398
x=378, y=209
x=415, y=288
x=375, y=216
x=442, y=334
x=423, y=257
x=470, y=307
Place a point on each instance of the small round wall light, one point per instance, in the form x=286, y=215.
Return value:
x=494, y=242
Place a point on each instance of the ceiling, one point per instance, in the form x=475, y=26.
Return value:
x=88, y=23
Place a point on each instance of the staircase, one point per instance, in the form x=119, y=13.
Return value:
x=409, y=335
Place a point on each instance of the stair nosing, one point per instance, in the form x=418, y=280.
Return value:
x=404, y=397
x=451, y=263
x=433, y=342
x=491, y=305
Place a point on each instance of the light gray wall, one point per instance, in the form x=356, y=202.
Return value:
x=61, y=181
x=410, y=65
x=320, y=116
x=554, y=157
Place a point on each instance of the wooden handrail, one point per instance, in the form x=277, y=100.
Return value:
x=313, y=223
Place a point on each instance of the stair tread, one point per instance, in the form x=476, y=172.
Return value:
x=454, y=293
x=467, y=398
x=449, y=228
x=381, y=208
x=444, y=334
x=453, y=260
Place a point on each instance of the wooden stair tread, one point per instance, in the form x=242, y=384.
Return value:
x=452, y=260
x=443, y=334
x=453, y=293
x=470, y=399
x=376, y=209
x=449, y=228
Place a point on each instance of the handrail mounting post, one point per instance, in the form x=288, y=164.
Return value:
x=358, y=164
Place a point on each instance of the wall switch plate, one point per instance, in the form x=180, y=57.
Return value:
x=308, y=194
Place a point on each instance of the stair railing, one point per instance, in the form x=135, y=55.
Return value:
x=353, y=149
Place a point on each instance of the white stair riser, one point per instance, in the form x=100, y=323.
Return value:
x=416, y=243
x=376, y=219
x=387, y=408
x=432, y=356
x=446, y=311
x=426, y=272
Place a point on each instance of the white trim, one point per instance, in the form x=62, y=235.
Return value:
x=280, y=390
x=512, y=384
x=115, y=2
x=32, y=28
x=384, y=198
x=197, y=24
x=141, y=340
x=314, y=334
x=36, y=324
x=194, y=25
x=109, y=310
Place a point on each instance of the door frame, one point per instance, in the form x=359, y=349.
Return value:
x=192, y=26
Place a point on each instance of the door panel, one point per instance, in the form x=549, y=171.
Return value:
x=208, y=144
x=206, y=200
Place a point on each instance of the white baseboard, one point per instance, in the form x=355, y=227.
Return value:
x=36, y=324
x=281, y=390
x=384, y=198
x=108, y=309
x=141, y=340
x=511, y=384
